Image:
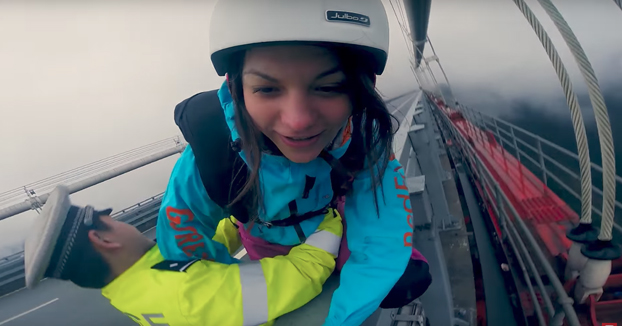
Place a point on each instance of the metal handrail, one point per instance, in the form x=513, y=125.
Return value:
x=139, y=205
x=37, y=202
x=502, y=205
x=10, y=257
x=13, y=269
x=539, y=158
x=566, y=170
x=28, y=191
x=117, y=215
x=86, y=171
x=32, y=196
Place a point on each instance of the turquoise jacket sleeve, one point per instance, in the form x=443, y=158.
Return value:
x=380, y=246
x=188, y=218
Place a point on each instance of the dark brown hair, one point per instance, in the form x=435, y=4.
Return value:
x=372, y=123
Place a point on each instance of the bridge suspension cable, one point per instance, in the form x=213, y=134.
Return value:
x=575, y=111
x=403, y=27
x=438, y=61
x=408, y=40
x=87, y=170
x=411, y=46
x=38, y=200
x=31, y=193
x=602, y=118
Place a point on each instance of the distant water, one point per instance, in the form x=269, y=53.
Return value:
x=558, y=129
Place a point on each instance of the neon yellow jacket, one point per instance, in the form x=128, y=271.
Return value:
x=200, y=292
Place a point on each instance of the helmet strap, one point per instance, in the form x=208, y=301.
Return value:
x=228, y=81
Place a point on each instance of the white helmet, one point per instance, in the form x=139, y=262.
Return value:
x=238, y=24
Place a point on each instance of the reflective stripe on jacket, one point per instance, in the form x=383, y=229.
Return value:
x=210, y=293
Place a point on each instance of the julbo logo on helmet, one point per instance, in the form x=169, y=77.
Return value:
x=347, y=17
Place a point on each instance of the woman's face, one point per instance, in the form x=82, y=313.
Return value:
x=296, y=97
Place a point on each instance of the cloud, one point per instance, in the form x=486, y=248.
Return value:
x=560, y=131
x=488, y=46
x=85, y=80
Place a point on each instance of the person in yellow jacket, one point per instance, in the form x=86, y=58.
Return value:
x=93, y=250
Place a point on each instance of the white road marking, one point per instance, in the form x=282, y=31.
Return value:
x=27, y=312
x=400, y=137
x=11, y=293
x=404, y=104
x=237, y=256
x=408, y=96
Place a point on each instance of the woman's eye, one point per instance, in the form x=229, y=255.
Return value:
x=331, y=89
x=265, y=90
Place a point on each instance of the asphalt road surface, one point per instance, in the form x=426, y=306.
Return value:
x=399, y=106
x=58, y=303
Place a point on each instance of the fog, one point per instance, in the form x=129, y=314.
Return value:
x=84, y=80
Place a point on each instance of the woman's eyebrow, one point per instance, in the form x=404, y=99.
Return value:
x=328, y=72
x=267, y=77
x=262, y=75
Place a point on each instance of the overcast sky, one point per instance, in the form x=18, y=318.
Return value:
x=84, y=80
x=488, y=46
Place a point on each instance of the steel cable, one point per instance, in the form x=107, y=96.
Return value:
x=575, y=111
x=87, y=170
x=602, y=119
x=405, y=34
x=132, y=152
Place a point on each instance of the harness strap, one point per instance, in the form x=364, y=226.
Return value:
x=296, y=219
x=202, y=121
x=336, y=165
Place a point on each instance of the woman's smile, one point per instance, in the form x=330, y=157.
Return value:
x=300, y=142
x=296, y=97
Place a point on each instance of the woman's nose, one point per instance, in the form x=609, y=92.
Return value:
x=298, y=113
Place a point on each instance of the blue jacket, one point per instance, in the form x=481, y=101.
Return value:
x=380, y=246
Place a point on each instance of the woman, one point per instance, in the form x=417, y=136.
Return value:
x=300, y=102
